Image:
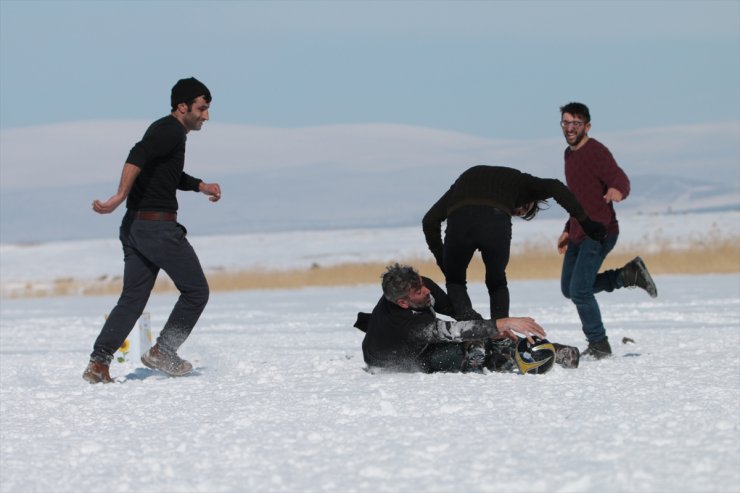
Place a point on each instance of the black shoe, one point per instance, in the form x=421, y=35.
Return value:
x=501, y=356
x=567, y=356
x=475, y=357
x=461, y=303
x=635, y=274
x=598, y=350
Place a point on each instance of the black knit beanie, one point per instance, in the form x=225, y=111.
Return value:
x=188, y=89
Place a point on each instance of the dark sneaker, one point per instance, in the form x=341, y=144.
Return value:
x=598, y=350
x=567, y=356
x=635, y=274
x=97, y=372
x=171, y=364
x=501, y=356
x=461, y=303
x=475, y=357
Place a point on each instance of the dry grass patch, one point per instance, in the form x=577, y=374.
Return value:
x=531, y=262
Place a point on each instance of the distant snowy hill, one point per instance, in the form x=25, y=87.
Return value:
x=328, y=177
x=656, y=193
x=285, y=200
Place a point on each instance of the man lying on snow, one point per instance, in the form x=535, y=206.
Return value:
x=403, y=333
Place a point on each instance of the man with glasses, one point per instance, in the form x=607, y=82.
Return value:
x=597, y=181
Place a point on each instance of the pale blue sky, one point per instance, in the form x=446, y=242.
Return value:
x=492, y=69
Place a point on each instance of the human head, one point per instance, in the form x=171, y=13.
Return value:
x=402, y=285
x=575, y=120
x=190, y=103
x=579, y=110
x=187, y=90
x=529, y=210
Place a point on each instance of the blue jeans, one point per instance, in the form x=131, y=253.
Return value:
x=581, y=279
x=149, y=246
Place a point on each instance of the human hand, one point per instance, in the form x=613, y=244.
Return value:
x=108, y=206
x=525, y=326
x=594, y=229
x=613, y=195
x=211, y=189
x=563, y=242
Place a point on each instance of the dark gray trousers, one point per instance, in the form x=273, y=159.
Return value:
x=149, y=246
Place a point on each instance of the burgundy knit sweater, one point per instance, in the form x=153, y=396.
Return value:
x=589, y=173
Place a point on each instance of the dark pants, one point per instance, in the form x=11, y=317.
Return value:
x=443, y=357
x=452, y=356
x=487, y=229
x=149, y=246
x=581, y=279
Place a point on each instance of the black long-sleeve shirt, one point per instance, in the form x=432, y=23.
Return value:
x=161, y=156
x=495, y=186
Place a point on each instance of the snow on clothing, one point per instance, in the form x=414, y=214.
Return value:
x=589, y=172
x=150, y=245
x=408, y=339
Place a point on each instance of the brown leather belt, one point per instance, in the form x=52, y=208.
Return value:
x=155, y=216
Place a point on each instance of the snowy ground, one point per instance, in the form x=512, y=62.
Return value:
x=281, y=401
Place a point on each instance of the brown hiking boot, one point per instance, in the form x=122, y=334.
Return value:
x=171, y=364
x=97, y=372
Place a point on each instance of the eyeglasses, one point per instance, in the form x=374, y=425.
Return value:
x=574, y=123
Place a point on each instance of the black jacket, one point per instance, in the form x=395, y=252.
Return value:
x=397, y=338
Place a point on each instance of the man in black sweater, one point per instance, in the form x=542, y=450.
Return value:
x=152, y=238
x=403, y=332
x=478, y=208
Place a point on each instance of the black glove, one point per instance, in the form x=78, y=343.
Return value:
x=595, y=230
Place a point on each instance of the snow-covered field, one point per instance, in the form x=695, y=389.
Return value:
x=281, y=402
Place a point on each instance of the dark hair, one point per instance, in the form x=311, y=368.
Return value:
x=207, y=97
x=577, y=109
x=187, y=91
x=536, y=207
x=398, y=280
